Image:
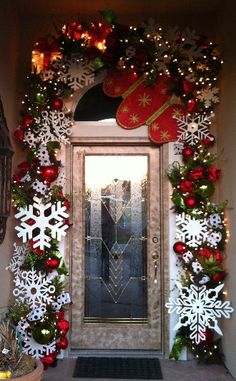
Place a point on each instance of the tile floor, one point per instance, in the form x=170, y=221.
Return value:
x=172, y=371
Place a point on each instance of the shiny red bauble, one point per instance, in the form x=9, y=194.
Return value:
x=62, y=343
x=57, y=104
x=49, y=173
x=209, y=336
x=19, y=134
x=191, y=106
x=27, y=121
x=187, y=153
x=190, y=202
x=186, y=186
x=179, y=247
x=63, y=325
x=52, y=263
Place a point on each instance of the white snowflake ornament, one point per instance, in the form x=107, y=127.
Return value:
x=36, y=314
x=47, y=75
x=18, y=259
x=47, y=217
x=205, y=279
x=34, y=288
x=191, y=230
x=193, y=128
x=199, y=308
x=30, y=346
x=26, y=178
x=53, y=126
x=77, y=73
x=61, y=179
x=30, y=139
x=130, y=51
x=209, y=96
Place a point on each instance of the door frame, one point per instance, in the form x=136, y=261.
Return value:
x=110, y=134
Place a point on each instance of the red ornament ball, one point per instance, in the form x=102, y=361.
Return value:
x=190, y=202
x=49, y=173
x=209, y=336
x=209, y=140
x=52, y=263
x=63, y=343
x=57, y=104
x=187, y=153
x=19, y=134
x=27, y=121
x=63, y=325
x=179, y=247
x=191, y=106
x=60, y=315
x=186, y=186
x=48, y=359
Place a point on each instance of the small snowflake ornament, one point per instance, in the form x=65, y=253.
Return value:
x=205, y=279
x=191, y=230
x=77, y=73
x=47, y=217
x=130, y=51
x=47, y=75
x=199, y=308
x=26, y=178
x=53, y=126
x=193, y=128
x=36, y=314
x=30, y=139
x=18, y=259
x=61, y=179
x=34, y=288
x=187, y=256
x=209, y=96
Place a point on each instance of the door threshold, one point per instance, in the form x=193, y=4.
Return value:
x=115, y=353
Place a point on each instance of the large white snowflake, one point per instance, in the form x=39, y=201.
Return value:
x=199, y=308
x=30, y=346
x=209, y=96
x=191, y=230
x=77, y=73
x=46, y=217
x=34, y=287
x=53, y=126
x=18, y=258
x=193, y=128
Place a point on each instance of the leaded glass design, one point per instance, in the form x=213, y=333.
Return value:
x=116, y=236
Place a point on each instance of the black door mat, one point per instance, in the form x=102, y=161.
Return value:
x=118, y=367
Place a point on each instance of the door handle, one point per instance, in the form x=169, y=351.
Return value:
x=155, y=257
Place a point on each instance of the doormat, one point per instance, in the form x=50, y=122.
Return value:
x=118, y=367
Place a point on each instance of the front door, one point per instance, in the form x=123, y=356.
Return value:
x=116, y=259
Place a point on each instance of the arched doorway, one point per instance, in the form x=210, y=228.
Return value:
x=118, y=245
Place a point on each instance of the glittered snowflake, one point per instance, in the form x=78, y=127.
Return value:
x=53, y=126
x=34, y=287
x=193, y=128
x=191, y=230
x=77, y=73
x=30, y=139
x=18, y=259
x=45, y=217
x=30, y=346
x=39, y=187
x=199, y=308
x=209, y=96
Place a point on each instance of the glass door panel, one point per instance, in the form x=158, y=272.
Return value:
x=115, y=237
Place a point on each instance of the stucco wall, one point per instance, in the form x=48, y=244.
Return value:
x=8, y=75
x=227, y=161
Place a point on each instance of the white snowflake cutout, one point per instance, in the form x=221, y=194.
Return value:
x=40, y=187
x=151, y=29
x=130, y=51
x=199, y=308
x=53, y=126
x=178, y=148
x=209, y=96
x=191, y=230
x=78, y=73
x=43, y=156
x=18, y=259
x=36, y=314
x=34, y=288
x=47, y=217
x=30, y=346
x=26, y=178
x=193, y=128
x=47, y=75
x=205, y=279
